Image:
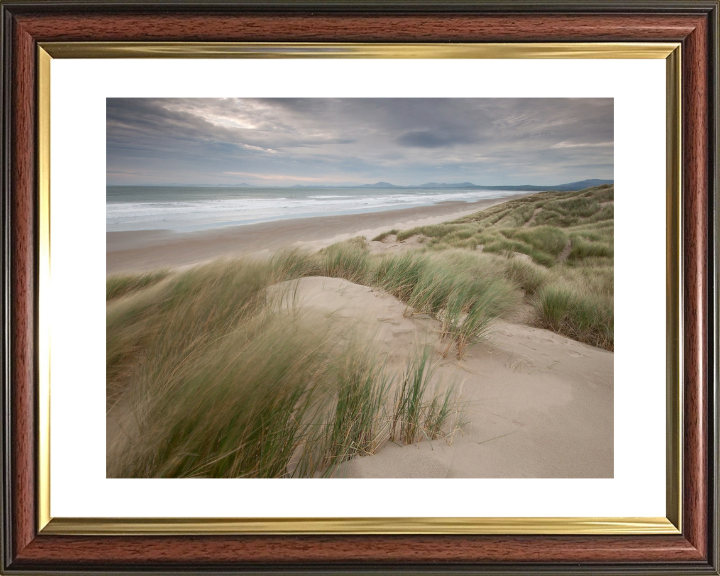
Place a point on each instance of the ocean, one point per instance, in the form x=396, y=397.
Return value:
x=187, y=209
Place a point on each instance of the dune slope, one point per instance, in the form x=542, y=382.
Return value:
x=538, y=404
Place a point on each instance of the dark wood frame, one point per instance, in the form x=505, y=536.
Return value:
x=694, y=23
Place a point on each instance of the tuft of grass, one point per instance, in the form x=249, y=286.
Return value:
x=439, y=412
x=434, y=231
x=348, y=260
x=432, y=290
x=469, y=314
x=409, y=409
x=292, y=264
x=583, y=248
x=380, y=237
x=399, y=274
x=237, y=407
x=548, y=239
x=476, y=323
x=209, y=374
x=358, y=424
x=580, y=315
x=527, y=275
x=414, y=416
x=168, y=319
x=509, y=246
x=122, y=284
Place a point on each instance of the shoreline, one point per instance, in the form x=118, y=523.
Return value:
x=149, y=249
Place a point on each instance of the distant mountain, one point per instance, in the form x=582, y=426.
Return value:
x=570, y=187
x=383, y=185
x=455, y=186
x=582, y=184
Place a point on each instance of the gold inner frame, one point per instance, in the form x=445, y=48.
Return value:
x=671, y=524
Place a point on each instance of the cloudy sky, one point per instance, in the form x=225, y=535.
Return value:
x=404, y=141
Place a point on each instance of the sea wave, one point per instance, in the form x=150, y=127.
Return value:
x=183, y=214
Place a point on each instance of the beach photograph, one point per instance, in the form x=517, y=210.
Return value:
x=340, y=288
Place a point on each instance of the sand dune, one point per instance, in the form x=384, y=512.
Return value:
x=539, y=405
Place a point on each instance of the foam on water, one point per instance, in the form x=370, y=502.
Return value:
x=184, y=209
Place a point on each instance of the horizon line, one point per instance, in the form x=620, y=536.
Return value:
x=426, y=184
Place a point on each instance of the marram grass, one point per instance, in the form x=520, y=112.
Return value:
x=557, y=247
x=211, y=377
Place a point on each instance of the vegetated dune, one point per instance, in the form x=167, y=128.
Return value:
x=364, y=359
x=562, y=245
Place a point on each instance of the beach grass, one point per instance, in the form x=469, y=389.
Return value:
x=202, y=363
x=383, y=235
x=217, y=379
x=419, y=412
x=358, y=424
x=348, y=260
x=122, y=284
x=557, y=247
x=529, y=276
x=409, y=406
x=452, y=286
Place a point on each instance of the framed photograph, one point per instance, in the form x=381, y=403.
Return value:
x=352, y=287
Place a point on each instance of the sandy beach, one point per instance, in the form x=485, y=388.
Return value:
x=149, y=249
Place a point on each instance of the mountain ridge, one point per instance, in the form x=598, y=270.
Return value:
x=568, y=187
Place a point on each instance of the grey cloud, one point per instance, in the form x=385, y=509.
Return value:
x=404, y=140
x=428, y=139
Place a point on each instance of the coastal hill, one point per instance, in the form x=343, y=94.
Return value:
x=382, y=185
x=569, y=187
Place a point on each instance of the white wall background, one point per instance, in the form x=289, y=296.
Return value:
x=78, y=484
